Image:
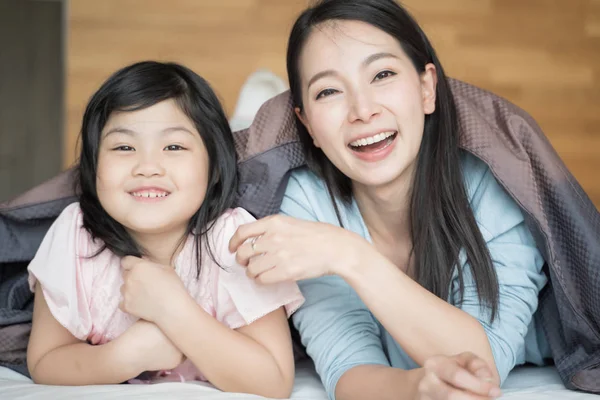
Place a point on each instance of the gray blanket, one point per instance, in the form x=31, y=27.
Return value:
x=563, y=220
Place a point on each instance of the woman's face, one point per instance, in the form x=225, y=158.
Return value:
x=364, y=104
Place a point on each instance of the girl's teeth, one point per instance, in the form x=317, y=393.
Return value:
x=150, y=195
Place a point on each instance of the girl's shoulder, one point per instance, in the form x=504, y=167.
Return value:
x=68, y=226
x=70, y=212
x=231, y=219
x=222, y=230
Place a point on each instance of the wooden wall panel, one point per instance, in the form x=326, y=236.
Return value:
x=543, y=55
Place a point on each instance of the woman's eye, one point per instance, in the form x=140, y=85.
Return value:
x=174, y=147
x=124, y=148
x=325, y=93
x=383, y=75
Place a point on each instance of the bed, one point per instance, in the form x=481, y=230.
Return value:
x=524, y=383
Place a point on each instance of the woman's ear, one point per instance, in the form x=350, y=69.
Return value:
x=302, y=119
x=428, y=88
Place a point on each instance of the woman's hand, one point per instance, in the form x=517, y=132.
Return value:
x=149, y=290
x=461, y=377
x=149, y=348
x=280, y=248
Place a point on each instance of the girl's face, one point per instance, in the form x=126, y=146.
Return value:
x=152, y=169
x=364, y=102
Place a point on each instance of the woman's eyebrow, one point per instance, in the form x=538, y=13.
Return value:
x=370, y=59
x=322, y=74
x=378, y=56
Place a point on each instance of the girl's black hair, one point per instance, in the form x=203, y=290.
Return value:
x=442, y=221
x=136, y=87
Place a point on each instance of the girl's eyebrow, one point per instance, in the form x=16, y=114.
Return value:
x=130, y=132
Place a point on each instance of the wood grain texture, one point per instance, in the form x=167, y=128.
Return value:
x=543, y=55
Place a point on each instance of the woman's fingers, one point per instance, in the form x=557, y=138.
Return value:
x=449, y=371
x=259, y=264
x=274, y=274
x=244, y=253
x=248, y=231
x=476, y=365
x=434, y=388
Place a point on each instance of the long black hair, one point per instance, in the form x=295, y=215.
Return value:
x=136, y=87
x=442, y=222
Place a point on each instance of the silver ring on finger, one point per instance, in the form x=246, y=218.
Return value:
x=253, y=243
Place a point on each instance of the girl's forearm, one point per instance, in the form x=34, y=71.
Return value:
x=84, y=364
x=231, y=361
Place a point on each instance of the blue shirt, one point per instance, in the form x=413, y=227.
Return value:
x=340, y=332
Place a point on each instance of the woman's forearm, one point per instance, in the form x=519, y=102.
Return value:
x=230, y=360
x=378, y=382
x=421, y=323
x=84, y=364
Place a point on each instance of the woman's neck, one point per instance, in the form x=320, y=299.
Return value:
x=386, y=209
x=161, y=247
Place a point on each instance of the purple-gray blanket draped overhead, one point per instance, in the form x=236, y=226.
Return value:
x=563, y=220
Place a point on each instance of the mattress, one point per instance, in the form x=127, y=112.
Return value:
x=524, y=383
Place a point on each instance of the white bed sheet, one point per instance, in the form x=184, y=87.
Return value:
x=525, y=383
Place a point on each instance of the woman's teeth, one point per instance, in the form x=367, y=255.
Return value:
x=372, y=139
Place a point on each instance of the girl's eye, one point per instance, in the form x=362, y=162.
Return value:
x=325, y=93
x=383, y=75
x=174, y=147
x=124, y=148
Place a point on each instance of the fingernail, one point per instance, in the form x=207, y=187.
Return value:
x=495, y=392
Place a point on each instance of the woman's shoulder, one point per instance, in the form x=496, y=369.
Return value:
x=493, y=207
x=303, y=181
x=307, y=197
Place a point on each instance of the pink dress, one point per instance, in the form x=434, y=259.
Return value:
x=83, y=293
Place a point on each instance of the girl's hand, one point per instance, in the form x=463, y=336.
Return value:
x=281, y=248
x=149, y=290
x=464, y=376
x=150, y=348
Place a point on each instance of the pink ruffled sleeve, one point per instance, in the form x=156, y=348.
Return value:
x=64, y=273
x=239, y=300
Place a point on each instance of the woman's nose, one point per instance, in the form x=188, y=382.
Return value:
x=362, y=107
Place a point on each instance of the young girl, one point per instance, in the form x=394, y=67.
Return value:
x=136, y=276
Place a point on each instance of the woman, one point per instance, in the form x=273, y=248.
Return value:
x=421, y=278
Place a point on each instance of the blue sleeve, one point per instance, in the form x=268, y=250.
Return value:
x=518, y=264
x=337, y=329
